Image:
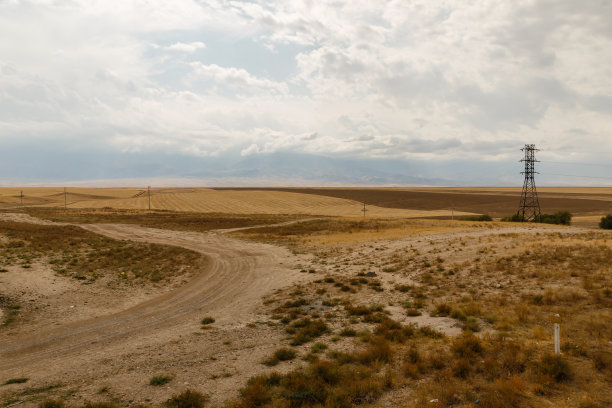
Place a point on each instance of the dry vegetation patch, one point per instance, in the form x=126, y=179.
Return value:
x=502, y=288
x=86, y=256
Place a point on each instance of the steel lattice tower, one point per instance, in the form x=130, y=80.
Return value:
x=529, y=208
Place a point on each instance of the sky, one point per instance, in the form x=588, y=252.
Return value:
x=301, y=92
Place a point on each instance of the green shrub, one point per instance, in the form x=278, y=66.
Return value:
x=160, y=380
x=208, y=320
x=561, y=217
x=514, y=218
x=483, y=217
x=606, y=222
x=187, y=399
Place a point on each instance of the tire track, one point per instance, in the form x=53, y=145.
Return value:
x=235, y=278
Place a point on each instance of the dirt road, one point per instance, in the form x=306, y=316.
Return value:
x=236, y=277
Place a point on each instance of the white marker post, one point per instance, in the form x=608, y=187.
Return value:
x=557, y=334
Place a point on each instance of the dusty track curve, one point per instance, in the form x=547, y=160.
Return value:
x=236, y=276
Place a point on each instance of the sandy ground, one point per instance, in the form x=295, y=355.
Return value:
x=151, y=333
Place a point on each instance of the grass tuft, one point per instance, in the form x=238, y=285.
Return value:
x=159, y=380
x=187, y=399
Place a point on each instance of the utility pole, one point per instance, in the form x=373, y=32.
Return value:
x=21, y=198
x=149, y=193
x=364, y=209
x=529, y=207
x=65, y=200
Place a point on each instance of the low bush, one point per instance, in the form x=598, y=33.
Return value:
x=159, y=380
x=378, y=351
x=471, y=324
x=462, y=368
x=503, y=393
x=513, y=218
x=555, y=367
x=348, y=332
x=467, y=346
x=306, y=330
x=285, y=354
x=606, y=222
x=346, y=381
x=282, y=354
x=483, y=217
x=318, y=348
x=442, y=309
x=187, y=399
x=208, y=320
x=561, y=217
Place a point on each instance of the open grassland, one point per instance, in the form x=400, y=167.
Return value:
x=383, y=311
x=501, y=289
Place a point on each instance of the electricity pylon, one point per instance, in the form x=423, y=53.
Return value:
x=529, y=208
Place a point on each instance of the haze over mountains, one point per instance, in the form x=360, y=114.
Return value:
x=274, y=169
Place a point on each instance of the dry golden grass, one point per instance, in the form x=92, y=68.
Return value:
x=203, y=200
x=505, y=286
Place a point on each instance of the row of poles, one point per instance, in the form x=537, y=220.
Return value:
x=21, y=196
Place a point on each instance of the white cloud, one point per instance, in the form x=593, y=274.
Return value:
x=398, y=78
x=236, y=78
x=186, y=47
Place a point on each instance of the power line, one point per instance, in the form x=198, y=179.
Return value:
x=573, y=175
x=579, y=163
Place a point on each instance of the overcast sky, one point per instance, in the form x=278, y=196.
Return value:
x=447, y=87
